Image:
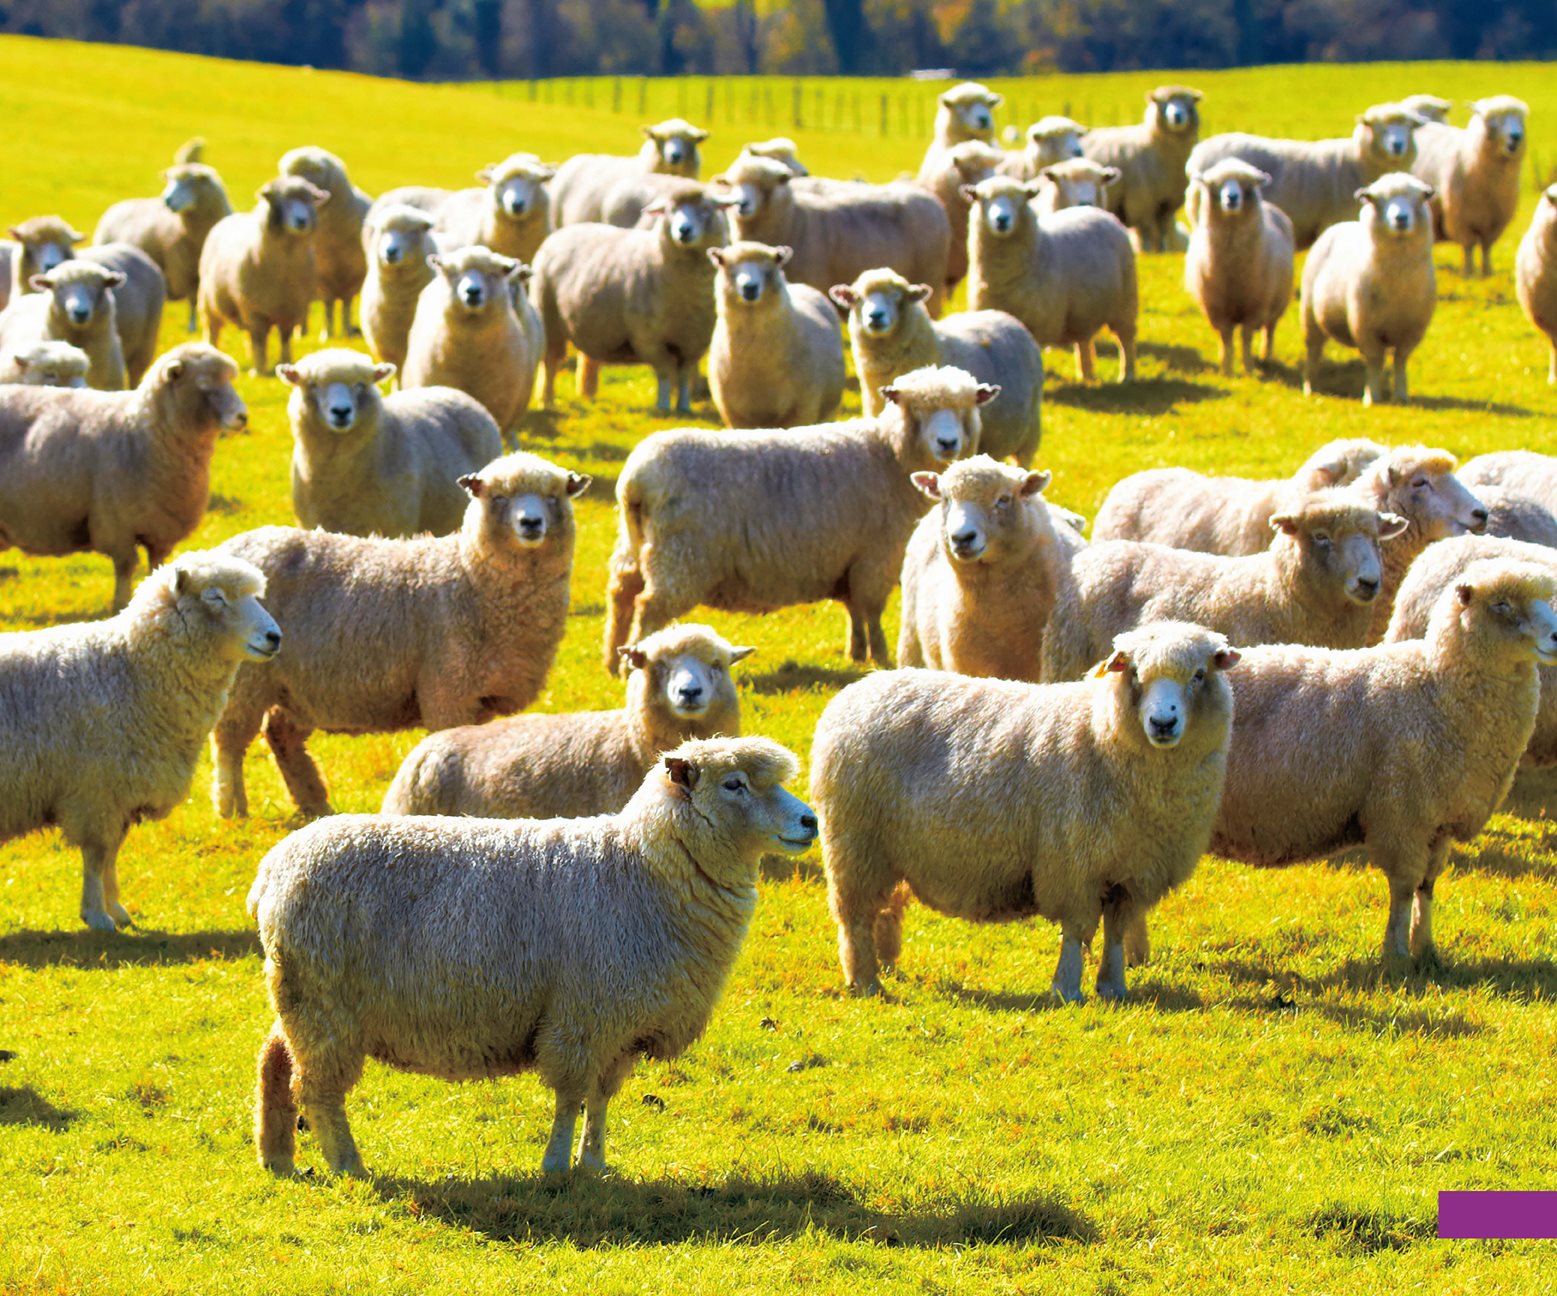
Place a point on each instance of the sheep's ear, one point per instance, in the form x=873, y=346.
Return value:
x=844, y=297
x=968, y=193
x=508, y=267
x=435, y=261
x=986, y=392
x=740, y=654
x=115, y=278
x=473, y=485
x=633, y=655
x=39, y=283
x=1032, y=188
x=1465, y=592
x=657, y=207
x=265, y=192
x=945, y=100
x=928, y=484
x=545, y=173
x=578, y=483
x=723, y=181
x=181, y=582
x=1261, y=179
x=1362, y=196
x=175, y=370
x=1034, y=483
x=697, y=134
x=919, y=292
x=648, y=132
x=75, y=236
x=15, y=231
x=781, y=255
x=1117, y=661
x=716, y=255
x=888, y=394
x=1111, y=176
x=21, y=362
x=1392, y=525
x=289, y=373
x=1427, y=191
x=318, y=196
x=1285, y=523
x=683, y=773
x=1151, y=97
x=383, y=372
x=484, y=175
x=997, y=99
x=1048, y=174
x=1225, y=658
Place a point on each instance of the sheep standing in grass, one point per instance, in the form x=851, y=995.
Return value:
x=963, y=164
x=138, y=303
x=590, y=763
x=1150, y=158
x=342, y=263
x=101, y=724
x=754, y=521
x=384, y=635
x=46, y=364
x=1079, y=182
x=42, y=243
x=892, y=334
x=510, y=213
x=1369, y=284
x=74, y=303
x=965, y=113
x=776, y=358
x=1049, y=140
x=400, y=241
x=1474, y=173
x=581, y=184
x=1535, y=273
x=995, y=800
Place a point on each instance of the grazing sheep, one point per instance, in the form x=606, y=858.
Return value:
x=46, y=364
x=478, y=948
x=101, y=724
x=401, y=240
x=1369, y=284
x=138, y=303
x=1150, y=158
x=754, y=521
x=994, y=800
x=1064, y=276
x=257, y=269
x=639, y=296
x=1430, y=108
x=1535, y=273
x=44, y=241
x=965, y=113
x=1049, y=140
x=892, y=334
x=589, y=763
x=1474, y=173
x=510, y=213
x=1239, y=264
x=963, y=164
x=341, y=262
x=776, y=358
x=74, y=303
x=581, y=184
x=1519, y=489
x=1079, y=182
x=384, y=635
x=364, y=464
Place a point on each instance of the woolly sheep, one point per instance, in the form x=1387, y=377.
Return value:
x=1428, y=107
x=138, y=303
x=579, y=188
x=1535, y=273
x=780, y=149
x=74, y=303
x=341, y=262
x=384, y=635
x=365, y=464
x=1474, y=173
x=101, y=723
x=1519, y=489
x=108, y=472
x=994, y=800
x=510, y=213
x=568, y=766
x=963, y=164
x=1049, y=140
x=46, y=364
x=400, y=241
x=891, y=334
x=754, y=521
x=478, y=948
x=776, y=358
x=1079, y=182
x=1150, y=158
x=1517, y=516
x=965, y=112
x=44, y=241
x=9, y=251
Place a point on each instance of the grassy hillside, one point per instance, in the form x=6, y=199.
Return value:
x=1266, y=1114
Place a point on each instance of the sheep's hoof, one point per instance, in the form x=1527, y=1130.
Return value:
x=99, y=921
x=1110, y=991
x=1068, y=996
x=865, y=989
x=1428, y=959
x=281, y=1167
x=120, y=914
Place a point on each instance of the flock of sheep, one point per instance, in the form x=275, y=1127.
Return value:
x=1362, y=653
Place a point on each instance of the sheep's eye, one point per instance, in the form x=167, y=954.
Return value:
x=1003, y=502
x=1502, y=609
x=1200, y=675
x=734, y=784
x=215, y=598
x=1321, y=539
x=1421, y=483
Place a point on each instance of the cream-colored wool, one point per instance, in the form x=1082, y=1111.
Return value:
x=9, y=251
x=965, y=113
x=341, y=263
x=74, y=303
x=754, y=521
x=579, y=189
x=101, y=723
x=46, y=364
x=1076, y=182
x=1049, y=140
x=257, y=269
x=891, y=334
x=1535, y=273
x=400, y=239
x=1222, y=515
x=584, y=763
x=962, y=164
x=1474, y=173
x=1430, y=108
x=981, y=572
x=1369, y=284
x=1238, y=267
x=471, y=949
x=44, y=241
x=994, y=800
x=1064, y=276
x=1150, y=158
x=1316, y=584
x=776, y=356
x=366, y=464
x=138, y=303
x=637, y=296
x=1517, y=516
x=109, y=472
x=1519, y=490
x=510, y=213
x=385, y=635
x=781, y=149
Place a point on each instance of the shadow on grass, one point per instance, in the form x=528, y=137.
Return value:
x=1347, y=381
x=785, y=868
x=28, y=1107
x=1180, y=359
x=135, y=948
x=1511, y=977
x=1145, y=991
x=1144, y=396
x=1370, y=1230
x=792, y=676
x=1534, y=794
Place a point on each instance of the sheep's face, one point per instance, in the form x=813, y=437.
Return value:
x=317, y=166
x=521, y=500
x=685, y=673
x=404, y=238
x=1338, y=544
x=201, y=379
x=517, y=186
x=51, y=364
x=1169, y=677
x=1385, y=136
x=968, y=111
x=47, y=242
x=750, y=274
x=938, y=413
x=1502, y=121
x=672, y=147
x=736, y=804
x=1421, y=486
x=1079, y=183
x=221, y=596
x=191, y=187
x=334, y=389
x=986, y=507
x=972, y=161
x=292, y=205
x=1174, y=109
x=756, y=184
x=1054, y=139
x=691, y=220
x=877, y=301
x=1338, y=463
x=1002, y=204
x=478, y=279
x=780, y=150
x=1233, y=186
x=1395, y=207
x=1506, y=605
x=83, y=290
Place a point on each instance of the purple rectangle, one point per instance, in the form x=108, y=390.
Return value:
x=1497, y=1214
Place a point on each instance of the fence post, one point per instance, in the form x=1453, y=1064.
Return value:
x=886, y=115
x=708, y=109
x=616, y=95
x=643, y=97
x=798, y=111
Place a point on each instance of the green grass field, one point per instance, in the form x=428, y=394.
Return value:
x=1266, y=1114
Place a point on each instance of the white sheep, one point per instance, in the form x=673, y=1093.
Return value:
x=341, y=262
x=962, y=164
x=581, y=184
x=138, y=303
x=46, y=364
x=1150, y=158
x=400, y=241
x=1474, y=173
x=964, y=113
x=510, y=213
x=1535, y=273
x=74, y=303
x=1078, y=182
x=1519, y=489
x=42, y=242
x=1430, y=108
x=1049, y=140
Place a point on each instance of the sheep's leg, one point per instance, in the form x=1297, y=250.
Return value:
x=1422, y=947
x=588, y=376
x=685, y=373
x=348, y=327
x=865, y=632
x=1486, y=260
x=1224, y=342
x=124, y=577
x=213, y=328
x=230, y=739
x=662, y=387
x=157, y=554
x=591, y=1144
x=1402, y=898
x=559, y=1147
x=116, y=911
x=259, y=338
x=194, y=316
x=1400, y=376
x=1248, y=348
x=1314, y=346
x=1086, y=360
x=284, y=337
x=1125, y=336
x=858, y=889
x=1470, y=259
x=98, y=858
x=1551, y=365
x=1374, y=392
x=275, y=1104
x=1118, y=921
x=322, y=1085
x=288, y=744
x=1137, y=943
x=888, y=927
x=1270, y=343
x=1067, y=972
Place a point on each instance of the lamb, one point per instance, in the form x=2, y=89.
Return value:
x=965, y=112
x=510, y=213
x=108, y=472
x=1535, y=273
x=401, y=241
x=891, y=334
x=1369, y=284
x=995, y=800
x=257, y=269
x=1049, y=140
x=634, y=296
x=46, y=364
x=341, y=262
x=1239, y=263
x=101, y=723
x=44, y=241
x=74, y=303
x=1474, y=173
x=1150, y=158
x=963, y=164
x=363, y=464
x=1316, y=584
x=582, y=182
x=1519, y=490
x=776, y=358
x=569, y=766
x=1430, y=108
x=1064, y=276
x=1079, y=182
x=753, y=521
x=138, y=303
x=452, y=629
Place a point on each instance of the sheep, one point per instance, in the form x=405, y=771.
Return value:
x=754, y=521
x=839, y=234
x=401, y=240
x=1049, y=140
x=965, y=112
x=363, y=464
x=1369, y=284
x=138, y=303
x=1474, y=173
x=891, y=334
x=634, y=296
x=776, y=357
x=1517, y=516
x=44, y=241
x=510, y=213
x=1238, y=267
x=478, y=948
x=1519, y=490
x=452, y=629
x=171, y=229
x=1064, y=276
x=781, y=149
x=341, y=262
x=101, y=723
x=1316, y=181
x=46, y=364
x=1430, y=108
x=1150, y=158
x=568, y=766
x=476, y=330
x=257, y=268
x=980, y=572
x=1535, y=273
x=1316, y=584
x=1221, y=515
x=963, y=164
x=74, y=303
x=628, y=202
x=579, y=188
x=994, y=800
x=1079, y=182
x=9, y=250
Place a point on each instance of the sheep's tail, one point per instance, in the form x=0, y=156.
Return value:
x=275, y=1107
x=626, y=581
x=190, y=151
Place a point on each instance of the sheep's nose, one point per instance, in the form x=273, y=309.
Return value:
x=530, y=526
x=1002, y=222
x=1478, y=520
x=392, y=255
x=685, y=233
x=340, y=415
x=472, y=295
x=1163, y=728
x=272, y=639
x=1367, y=587
x=808, y=822
x=239, y=420
x=79, y=314
x=964, y=540
x=1399, y=221
x=876, y=318
x=689, y=694
x=946, y=445
x=749, y=291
